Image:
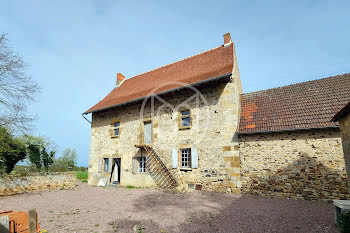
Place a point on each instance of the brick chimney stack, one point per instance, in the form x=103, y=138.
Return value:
x=227, y=39
x=120, y=79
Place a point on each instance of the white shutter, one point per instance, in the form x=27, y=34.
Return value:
x=100, y=165
x=194, y=158
x=135, y=165
x=110, y=165
x=174, y=157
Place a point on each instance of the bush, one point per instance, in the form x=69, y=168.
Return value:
x=21, y=170
x=344, y=222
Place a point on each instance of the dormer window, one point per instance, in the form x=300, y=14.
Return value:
x=185, y=120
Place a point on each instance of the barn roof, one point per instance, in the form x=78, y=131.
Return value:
x=304, y=105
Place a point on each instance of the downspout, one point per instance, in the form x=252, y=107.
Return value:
x=86, y=118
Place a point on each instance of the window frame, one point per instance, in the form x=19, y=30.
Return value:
x=113, y=128
x=141, y=161
x=182, y=117
x=188, y=160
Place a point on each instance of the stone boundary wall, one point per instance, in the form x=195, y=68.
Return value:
x=21, y=184
x=306, y=164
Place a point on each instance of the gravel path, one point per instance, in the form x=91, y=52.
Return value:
x=95, y=209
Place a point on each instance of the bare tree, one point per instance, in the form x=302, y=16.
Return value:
x=17, y=90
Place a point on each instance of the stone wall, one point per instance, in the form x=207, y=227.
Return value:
x=344, y=124
x=17, y=184
x=213, y=133
x=305, y=164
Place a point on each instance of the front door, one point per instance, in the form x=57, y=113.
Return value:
x=147, y=130
x=116, y=171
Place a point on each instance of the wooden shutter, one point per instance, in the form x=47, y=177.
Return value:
x=100, y=162
x=110, y=165
x=174, y=157
x=194, y=158
x=134, y=165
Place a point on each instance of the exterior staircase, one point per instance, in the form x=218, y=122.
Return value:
x=161, y=175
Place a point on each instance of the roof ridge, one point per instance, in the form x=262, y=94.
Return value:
x=176, y=61
x=293, y=84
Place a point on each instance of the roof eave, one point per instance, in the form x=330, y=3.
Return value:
x=161, y=93
x=345, y=110
x=288, y=130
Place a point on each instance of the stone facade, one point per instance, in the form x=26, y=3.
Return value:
x=21, y=184
x=214, y=119
x=344, y=124
x=304, y=164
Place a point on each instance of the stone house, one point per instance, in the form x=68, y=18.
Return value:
x=175, y=126
x=343, y=116
x=188, y=125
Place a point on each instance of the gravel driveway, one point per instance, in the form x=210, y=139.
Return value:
x=96, y=209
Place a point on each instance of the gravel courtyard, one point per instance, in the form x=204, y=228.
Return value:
x=96, y=209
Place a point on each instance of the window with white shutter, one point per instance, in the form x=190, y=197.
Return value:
x=185, y=157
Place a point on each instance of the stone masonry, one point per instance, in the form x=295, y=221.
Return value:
x=21, y=184
x=304, y=164
x=213, y=132
x=344, y=124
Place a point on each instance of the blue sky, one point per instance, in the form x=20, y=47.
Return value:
x=75, y=48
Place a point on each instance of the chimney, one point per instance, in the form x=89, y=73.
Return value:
x=227, y=39
x=120, y=79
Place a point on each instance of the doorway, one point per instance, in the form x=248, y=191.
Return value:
x=147, y=130
x=115, y=174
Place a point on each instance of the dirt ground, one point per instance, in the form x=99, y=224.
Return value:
x=96, y=209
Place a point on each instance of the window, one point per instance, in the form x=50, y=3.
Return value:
x=116, y=128
x=186, y=158
x=185, y=119
x=106, y=163
x=142, y=164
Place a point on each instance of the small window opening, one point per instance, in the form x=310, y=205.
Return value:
x=116, y=128
x=186, y=158
x=185, y=118
x=106, y=163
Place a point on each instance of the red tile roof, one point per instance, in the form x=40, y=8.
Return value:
x=299, y=106
x=204, y=66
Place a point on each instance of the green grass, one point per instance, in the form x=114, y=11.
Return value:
x=83, y=176
x=131, y=187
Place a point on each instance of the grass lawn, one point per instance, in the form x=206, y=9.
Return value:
x=83, y=176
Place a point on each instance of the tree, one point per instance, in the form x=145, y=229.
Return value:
x=12, y=150
x=70, y=157
x=34, y=152
x=47, y=158
x=17, y=89
x=41, y=151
